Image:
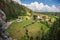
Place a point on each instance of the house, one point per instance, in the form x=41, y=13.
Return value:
x=19, y=20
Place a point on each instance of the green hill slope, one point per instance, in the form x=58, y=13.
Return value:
x=13, y=9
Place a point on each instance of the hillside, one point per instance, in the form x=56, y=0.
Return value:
x=13, y=9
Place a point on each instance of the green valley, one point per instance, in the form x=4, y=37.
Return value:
x=30, y=25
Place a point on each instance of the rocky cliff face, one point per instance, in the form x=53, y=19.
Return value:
x=3, y=34
x=1, y=4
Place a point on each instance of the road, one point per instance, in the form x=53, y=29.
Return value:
x=5, y=26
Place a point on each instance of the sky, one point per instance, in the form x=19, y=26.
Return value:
x=48, y=2
x=41, y=5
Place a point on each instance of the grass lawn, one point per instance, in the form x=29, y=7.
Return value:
x=17, y=30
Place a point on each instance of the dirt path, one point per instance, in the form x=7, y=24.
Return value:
x=5, y=26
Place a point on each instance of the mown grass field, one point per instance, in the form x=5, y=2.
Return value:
x=17, y=30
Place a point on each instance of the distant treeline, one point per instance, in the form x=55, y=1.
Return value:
x=50, y=13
